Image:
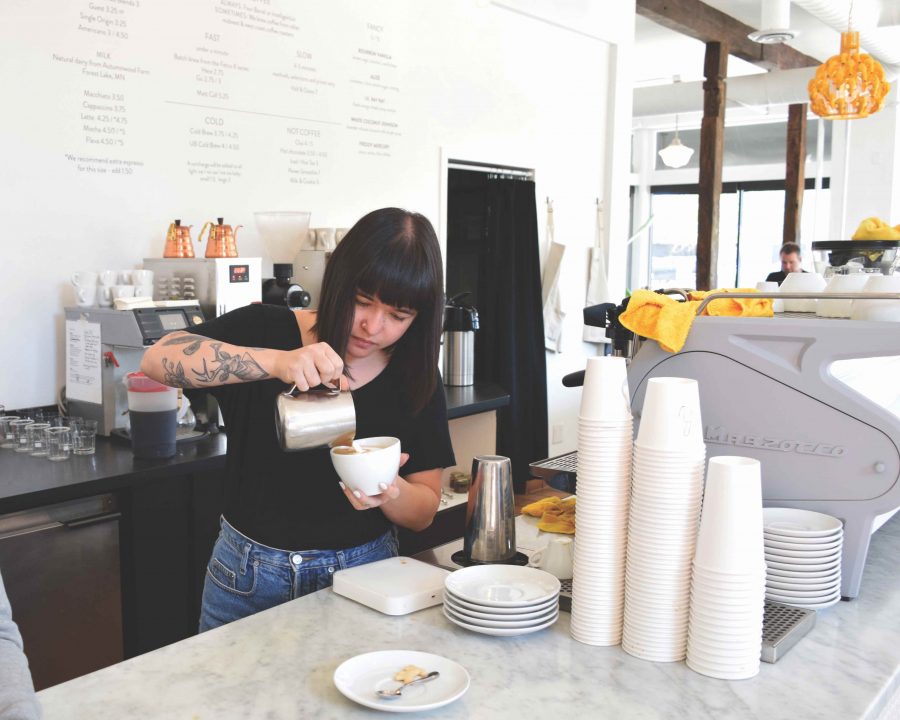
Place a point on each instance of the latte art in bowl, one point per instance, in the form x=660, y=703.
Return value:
x=368, y=463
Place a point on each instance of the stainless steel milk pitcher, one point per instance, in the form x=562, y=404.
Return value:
x=322, y=416
x=491, y=513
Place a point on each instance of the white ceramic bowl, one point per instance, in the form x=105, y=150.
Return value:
x=798, y=282
x=883, y=310
x=366, y=471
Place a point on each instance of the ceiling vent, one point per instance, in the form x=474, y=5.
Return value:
x=775, y=23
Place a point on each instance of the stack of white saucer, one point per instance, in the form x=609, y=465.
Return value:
x=501, y=599
x=604, y=479
x=666, y=492
x=803, y=557
x=729, y=575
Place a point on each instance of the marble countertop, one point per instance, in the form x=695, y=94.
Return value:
x=279, y=665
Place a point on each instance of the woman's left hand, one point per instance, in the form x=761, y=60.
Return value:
x=367, y=502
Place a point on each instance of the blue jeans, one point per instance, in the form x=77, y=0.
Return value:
x=244, y=577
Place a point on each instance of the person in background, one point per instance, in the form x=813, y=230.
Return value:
x=17, y=698
x=289, y=523
x=790, y=262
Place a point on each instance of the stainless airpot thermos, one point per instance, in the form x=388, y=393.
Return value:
x=460, y=324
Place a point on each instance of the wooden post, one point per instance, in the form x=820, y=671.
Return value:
x=712, y=136
x=795, y=172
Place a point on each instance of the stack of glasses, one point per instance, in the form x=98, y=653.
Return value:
x=604, y=479
x=729, y=574
x=666, y=493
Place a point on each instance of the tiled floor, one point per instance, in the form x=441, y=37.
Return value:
x=537, y=489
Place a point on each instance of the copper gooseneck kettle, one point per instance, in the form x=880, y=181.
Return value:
x=221, y=239
x=178, y=241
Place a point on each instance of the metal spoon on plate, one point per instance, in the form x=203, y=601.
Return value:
x=399, y=691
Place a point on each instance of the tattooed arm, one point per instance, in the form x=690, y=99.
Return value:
x=184, y=360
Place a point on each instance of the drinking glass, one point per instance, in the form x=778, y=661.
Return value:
x=6, y=434
x=59, y=443
x=84, y=438
x=20, y=437
x=35, y=433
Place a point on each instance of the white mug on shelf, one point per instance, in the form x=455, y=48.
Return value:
x=84, y=278
x=142, y=277
x=104, y=295
x=125, y=277
x=86, y=295
x=556, y=558
x=108, y=277
x=122, y=291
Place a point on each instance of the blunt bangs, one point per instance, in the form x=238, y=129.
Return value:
x=400, y=274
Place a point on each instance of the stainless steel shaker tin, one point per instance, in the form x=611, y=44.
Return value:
x=491, y=512
x=320, y=417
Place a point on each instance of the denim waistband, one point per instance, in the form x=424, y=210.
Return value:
x=295, y=558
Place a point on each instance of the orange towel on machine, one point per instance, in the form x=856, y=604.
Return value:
x=668, y=321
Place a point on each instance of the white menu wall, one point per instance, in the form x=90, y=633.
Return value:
x=121, y=115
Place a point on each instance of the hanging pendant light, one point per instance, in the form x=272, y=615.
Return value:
x=676, y=154
x=850, y=85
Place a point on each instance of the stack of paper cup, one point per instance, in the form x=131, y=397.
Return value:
x=604, y=479
x=729, y=578
x=666, y=492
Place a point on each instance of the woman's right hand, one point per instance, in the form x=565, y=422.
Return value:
x=311, y=365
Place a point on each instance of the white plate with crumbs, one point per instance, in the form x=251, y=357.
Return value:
x=360, y=677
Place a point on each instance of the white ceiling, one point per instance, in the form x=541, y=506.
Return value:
x=661, y=54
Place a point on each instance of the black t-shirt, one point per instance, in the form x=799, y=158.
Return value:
x=292, y=500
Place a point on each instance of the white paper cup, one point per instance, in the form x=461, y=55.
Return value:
x=605, y=394
x=670, y=417
x=364, y=472
x=730, y=535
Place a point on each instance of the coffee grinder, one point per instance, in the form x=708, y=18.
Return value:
x=282, y=290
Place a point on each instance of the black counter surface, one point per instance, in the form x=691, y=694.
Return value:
x=27, y=482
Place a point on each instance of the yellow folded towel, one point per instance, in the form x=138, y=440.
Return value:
x=555, y=515
x=874, y=228
x=668, y=321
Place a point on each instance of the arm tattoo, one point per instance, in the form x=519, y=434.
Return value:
x=174, y=376
x=193, y=342
x=225, y=365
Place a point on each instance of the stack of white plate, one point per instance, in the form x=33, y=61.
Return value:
x=803, y=557
x=501, y=599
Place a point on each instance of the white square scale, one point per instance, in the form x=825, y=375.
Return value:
x=394, y=586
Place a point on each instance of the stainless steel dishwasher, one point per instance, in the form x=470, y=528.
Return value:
x=60, y=565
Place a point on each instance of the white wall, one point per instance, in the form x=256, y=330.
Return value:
x=513, y=82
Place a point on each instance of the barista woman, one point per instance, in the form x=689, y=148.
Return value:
x=289, y=523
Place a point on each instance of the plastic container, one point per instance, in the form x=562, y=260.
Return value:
x=152, y=409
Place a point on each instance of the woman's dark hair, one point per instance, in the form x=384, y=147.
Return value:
x=393, y=255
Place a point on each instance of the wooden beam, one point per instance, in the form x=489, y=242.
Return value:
x=706, y=24
x=712, y=137
x=795, y=169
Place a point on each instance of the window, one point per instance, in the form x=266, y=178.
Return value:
x=750, y=232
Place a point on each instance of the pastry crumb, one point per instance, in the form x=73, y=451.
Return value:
x=409, y=673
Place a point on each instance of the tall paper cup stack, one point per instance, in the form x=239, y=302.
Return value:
x=729, y=573
x=604, y=478
x=666, y=492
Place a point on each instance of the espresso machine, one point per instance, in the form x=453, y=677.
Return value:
x=810, y=397
x=103, y=345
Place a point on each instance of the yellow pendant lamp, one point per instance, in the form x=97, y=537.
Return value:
x=850, y=85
